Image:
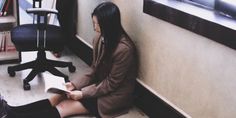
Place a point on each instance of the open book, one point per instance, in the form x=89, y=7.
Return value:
x=54, y=84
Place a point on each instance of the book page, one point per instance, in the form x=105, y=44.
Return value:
x=54, y=84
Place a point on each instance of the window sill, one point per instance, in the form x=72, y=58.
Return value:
x=201, y=21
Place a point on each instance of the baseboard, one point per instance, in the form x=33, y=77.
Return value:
x=152, y=105
x=155, y=105
x=81, y=49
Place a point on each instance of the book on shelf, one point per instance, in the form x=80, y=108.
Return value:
x=55, y=84
x=6, y=44
x=8, y=20
x=5, y=7
x=2, y=3
x=2, y=42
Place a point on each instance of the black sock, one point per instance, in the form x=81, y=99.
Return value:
x=44, y=113
x=32, y=107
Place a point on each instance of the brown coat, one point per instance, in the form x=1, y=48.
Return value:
x=117, y=79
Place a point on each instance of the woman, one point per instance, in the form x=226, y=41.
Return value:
x=106, y=90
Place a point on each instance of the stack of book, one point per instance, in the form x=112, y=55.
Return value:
x=8, y=20
x=5, y=7
x=6, y=44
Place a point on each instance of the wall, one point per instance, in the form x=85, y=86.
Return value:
x=194, y=73
x=85, y=27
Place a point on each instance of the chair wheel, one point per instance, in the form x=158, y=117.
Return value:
x=10, y=72
x=26, y=86
x=72, y=68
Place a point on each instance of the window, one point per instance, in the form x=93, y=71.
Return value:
x=204, y=3
x=225, y=7
x=205, y=22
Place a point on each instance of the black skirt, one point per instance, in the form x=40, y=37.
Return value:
x=91, y=105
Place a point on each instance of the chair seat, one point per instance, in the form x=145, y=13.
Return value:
x=25, y=37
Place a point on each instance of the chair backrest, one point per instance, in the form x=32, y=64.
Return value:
x=39, y=3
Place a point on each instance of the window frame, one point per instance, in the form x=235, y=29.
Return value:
x=225, y=7
x=201, y=3
x=200, y=21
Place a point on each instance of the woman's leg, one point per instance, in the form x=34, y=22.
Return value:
x=39, y=105
x=39, y=109
x=44, y=113
x=71, y=107
x=32, y=107
x=55, y=99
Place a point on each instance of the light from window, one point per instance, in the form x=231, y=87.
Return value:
x=225, y=7
x=204, y=3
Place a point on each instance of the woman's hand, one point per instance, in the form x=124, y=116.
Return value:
x=75, y=95
x=69, y=86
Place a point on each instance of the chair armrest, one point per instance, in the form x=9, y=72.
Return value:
x=41, y=11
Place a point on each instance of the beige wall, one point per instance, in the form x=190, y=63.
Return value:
x=194, y=73
x=85, y=27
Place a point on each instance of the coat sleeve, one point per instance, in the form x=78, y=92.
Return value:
x=122, y=59
x=85, y=79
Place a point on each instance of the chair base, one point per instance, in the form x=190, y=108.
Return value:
x=41, y=64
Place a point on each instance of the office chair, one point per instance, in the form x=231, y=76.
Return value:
x=40, y=37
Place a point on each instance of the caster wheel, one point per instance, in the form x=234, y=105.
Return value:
x=26, y=86
x=72, y=68
x=11, y=73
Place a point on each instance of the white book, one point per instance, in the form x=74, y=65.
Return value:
x=55, y=84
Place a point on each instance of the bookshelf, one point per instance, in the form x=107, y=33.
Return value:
x=9, y=18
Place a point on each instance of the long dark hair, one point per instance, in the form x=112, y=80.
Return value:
x=108, y=15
